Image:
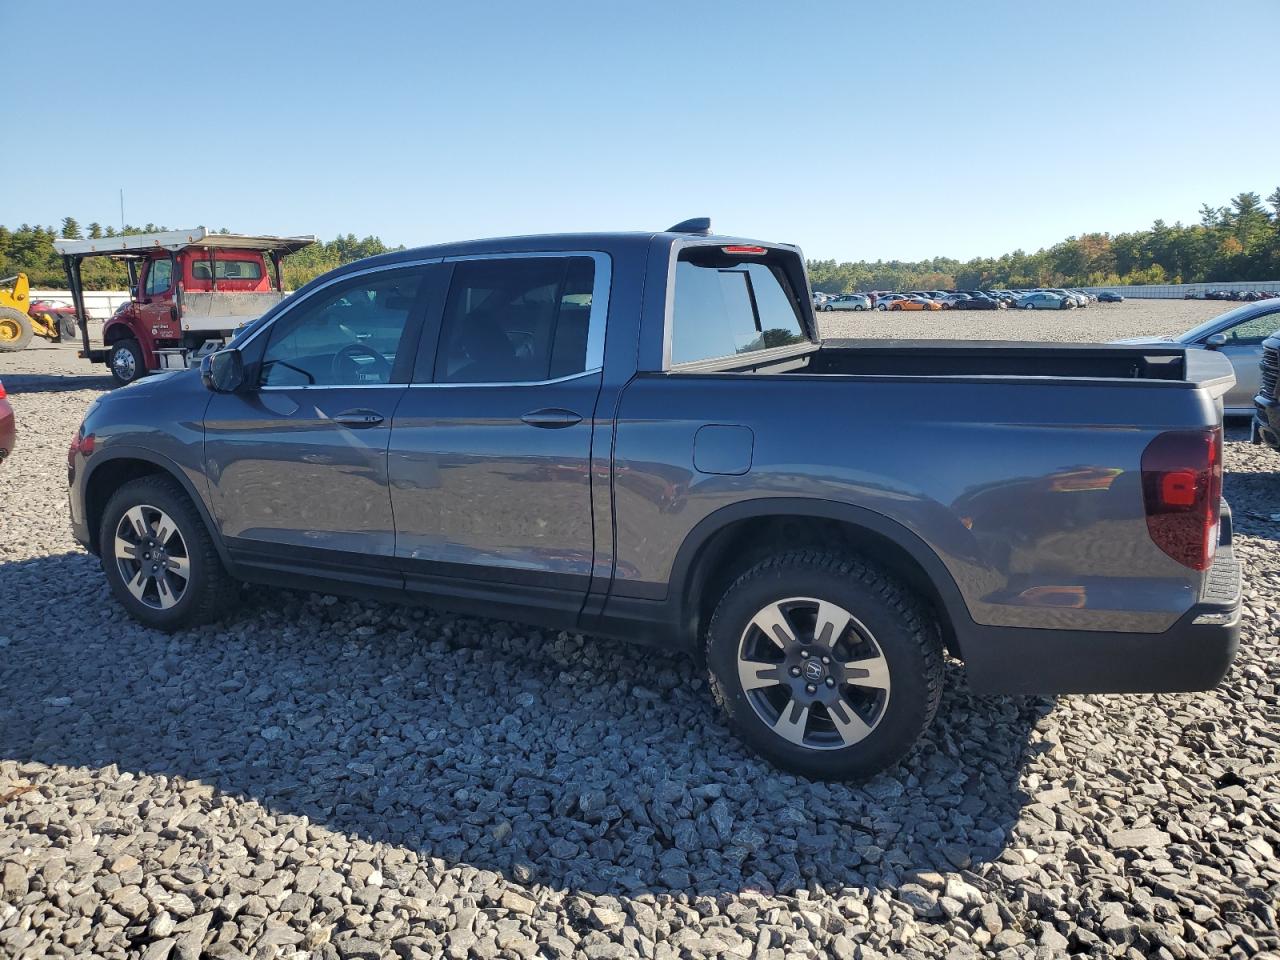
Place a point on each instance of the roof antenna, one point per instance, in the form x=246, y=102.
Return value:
x=700, y=225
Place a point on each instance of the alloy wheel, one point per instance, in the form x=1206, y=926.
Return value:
x=152, y=557
x=813, y=673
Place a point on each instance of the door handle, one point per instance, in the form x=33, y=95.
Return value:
x=358, y=418
x=552, y=418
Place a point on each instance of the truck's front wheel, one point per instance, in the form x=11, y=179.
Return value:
x=824, y=665
x=126, y=362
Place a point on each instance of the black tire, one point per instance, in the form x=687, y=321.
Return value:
x=16, y=331
x=68, y=328
x=125, y=362
x=882, y=306
x=904, y=634
x=896, y=306
x=208, y=592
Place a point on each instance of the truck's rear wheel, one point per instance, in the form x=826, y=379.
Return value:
x=126, y=361
x=824, y=665
x=159, y=558
x=15, y=329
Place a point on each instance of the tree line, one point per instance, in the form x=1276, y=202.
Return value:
x=27, y=249
x=1239, y=241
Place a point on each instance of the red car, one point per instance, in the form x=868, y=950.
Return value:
x=7, y=430
x=60, y=310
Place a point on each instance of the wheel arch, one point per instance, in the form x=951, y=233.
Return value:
x=733, y=538
x=121, y=466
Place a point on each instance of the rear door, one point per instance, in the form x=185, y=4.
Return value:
x=491, y=447
x=297, y=467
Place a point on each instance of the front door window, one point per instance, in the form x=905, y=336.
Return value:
x=350, y=334
x=159, y=277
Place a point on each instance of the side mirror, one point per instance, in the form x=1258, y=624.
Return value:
x=223, y=372
x=1215, y=340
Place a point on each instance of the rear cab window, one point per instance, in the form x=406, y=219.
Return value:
x=233, y=271
x=729, y=304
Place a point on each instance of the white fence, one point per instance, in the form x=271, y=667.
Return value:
x=1178, y=291
x=100, y=304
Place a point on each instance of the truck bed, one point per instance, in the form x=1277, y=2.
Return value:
x=213, y=312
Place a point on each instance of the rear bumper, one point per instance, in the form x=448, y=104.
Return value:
x=1266, y=422
x=1193, y=654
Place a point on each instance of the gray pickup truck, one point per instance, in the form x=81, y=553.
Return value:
x=642, y=436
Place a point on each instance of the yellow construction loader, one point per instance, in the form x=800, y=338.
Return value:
x=17, y=325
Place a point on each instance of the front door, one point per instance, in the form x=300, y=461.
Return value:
x=297, y=466
x=490, y=461
x=1244, y=349
x=156, y=313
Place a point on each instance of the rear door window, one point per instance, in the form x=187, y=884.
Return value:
x=514, y=320
x=726, y=307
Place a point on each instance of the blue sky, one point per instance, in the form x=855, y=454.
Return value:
x=884, y=130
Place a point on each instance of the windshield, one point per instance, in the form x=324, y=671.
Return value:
x=1222, y=320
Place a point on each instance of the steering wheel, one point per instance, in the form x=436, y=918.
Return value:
x=346, y=356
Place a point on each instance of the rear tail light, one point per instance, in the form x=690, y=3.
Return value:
x=1182, y=493
x=2, y=393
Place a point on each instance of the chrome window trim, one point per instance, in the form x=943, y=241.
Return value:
x=594, y=371
x=597, y=319
x=337, y=386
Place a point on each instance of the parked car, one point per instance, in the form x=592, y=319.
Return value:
x=848, y=301
x=453, y=424
x=885, y=300
x=1045, y=301
x=8, y=430
x=1108, y=296
x=976, y=303
x=949, y=301
x=1077, y=299
x=1237, y=335
x=1265, y=427
x=914, y=303
x=61, y=311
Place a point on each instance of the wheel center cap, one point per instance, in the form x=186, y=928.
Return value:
x=813, y=670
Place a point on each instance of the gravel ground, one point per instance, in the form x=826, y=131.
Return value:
x=320, y=777
x=1101, y=321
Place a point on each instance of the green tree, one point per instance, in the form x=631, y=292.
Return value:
x=70, y=228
